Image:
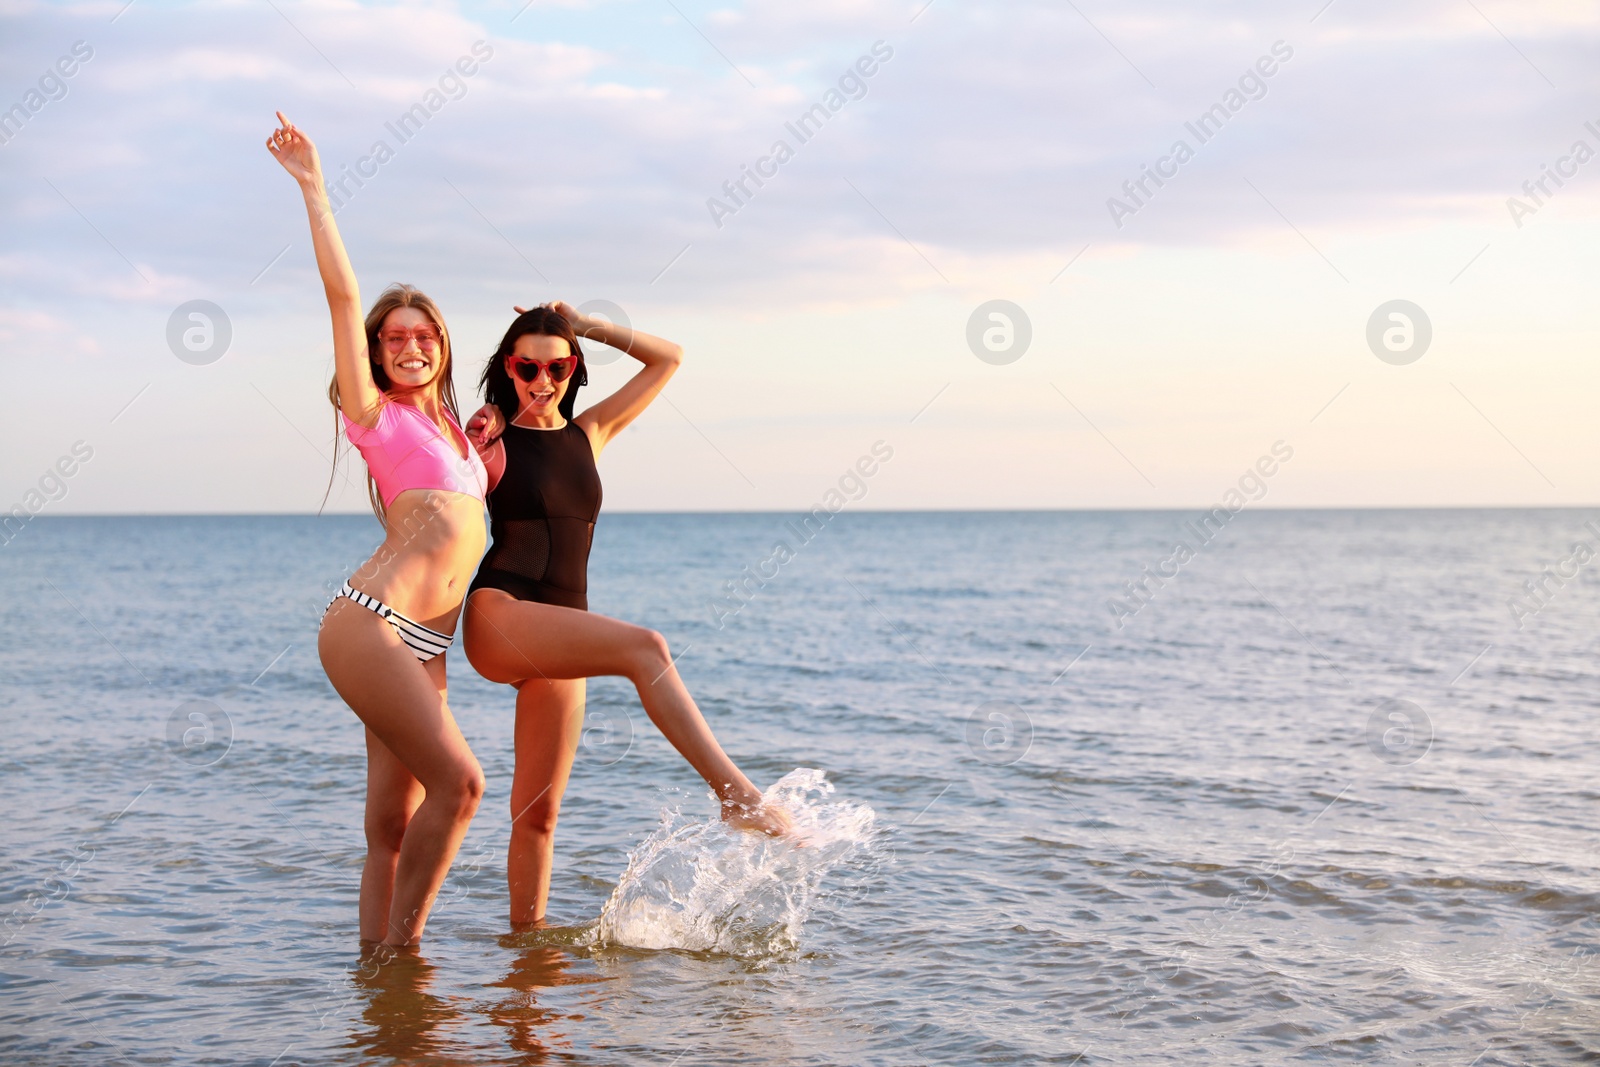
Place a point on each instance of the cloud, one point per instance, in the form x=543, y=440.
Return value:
x=992, y=132
x=580, y=158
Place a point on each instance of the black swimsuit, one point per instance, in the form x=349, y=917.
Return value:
x=541, y=518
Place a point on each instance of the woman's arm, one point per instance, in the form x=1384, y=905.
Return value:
x=484, y=430
x=359, y=395
x=493, y=457
x=486, y=426
x=661, y=359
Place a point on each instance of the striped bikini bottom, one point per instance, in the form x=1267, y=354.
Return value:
x=423, y=642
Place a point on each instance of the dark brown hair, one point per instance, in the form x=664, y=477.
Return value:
x=498, y=388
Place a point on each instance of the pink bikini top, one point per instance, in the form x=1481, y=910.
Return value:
x=405, y=450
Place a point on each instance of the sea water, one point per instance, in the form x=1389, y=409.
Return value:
x=1326, y=796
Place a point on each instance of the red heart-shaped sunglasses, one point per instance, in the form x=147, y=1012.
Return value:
x=528, y=369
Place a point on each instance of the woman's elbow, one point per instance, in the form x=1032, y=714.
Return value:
x=674, y=356
x=342, y=296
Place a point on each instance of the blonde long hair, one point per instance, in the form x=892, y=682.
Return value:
x=398, y=295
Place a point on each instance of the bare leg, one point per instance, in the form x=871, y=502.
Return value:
x=393, y=794
x=402, y=702
x=549, y=724
x=509, y=640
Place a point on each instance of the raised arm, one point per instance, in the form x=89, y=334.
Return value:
x=660, y=357
x=359, y=395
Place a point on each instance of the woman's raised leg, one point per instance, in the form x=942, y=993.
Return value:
x=509, y=640
x=549, y=725
x=402, y=702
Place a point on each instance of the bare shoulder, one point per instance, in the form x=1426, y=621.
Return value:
x=589, y=423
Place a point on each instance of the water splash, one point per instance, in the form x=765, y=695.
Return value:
x=697, y=885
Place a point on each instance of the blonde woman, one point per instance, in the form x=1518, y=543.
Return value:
x=383, y=637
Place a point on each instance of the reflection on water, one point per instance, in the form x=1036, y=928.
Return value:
x=532, y=1030
x=407, y=1016
x=402, y=1014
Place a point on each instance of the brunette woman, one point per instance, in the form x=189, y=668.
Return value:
x=528, y=623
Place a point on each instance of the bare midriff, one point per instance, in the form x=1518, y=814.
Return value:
x=433, y=543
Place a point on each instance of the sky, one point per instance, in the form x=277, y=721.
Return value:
x=1160, y=337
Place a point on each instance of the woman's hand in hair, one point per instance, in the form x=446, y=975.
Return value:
x=295, y=152
x=582, y=325
x=486, y=426
x=579, y=322
x=571, y=314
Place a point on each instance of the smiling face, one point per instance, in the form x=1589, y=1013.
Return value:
x=538, y=399
x=409, y=348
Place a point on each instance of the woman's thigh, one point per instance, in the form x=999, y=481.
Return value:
x=508, y=640
x=400, y=699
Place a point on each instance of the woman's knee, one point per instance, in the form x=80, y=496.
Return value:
x=386, y=829
x=651, y=655
x=461, y=788
x=538, y=817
